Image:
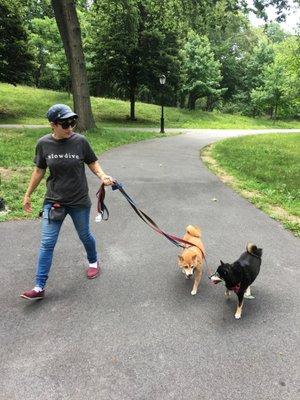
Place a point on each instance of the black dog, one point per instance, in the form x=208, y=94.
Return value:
x=239, y=275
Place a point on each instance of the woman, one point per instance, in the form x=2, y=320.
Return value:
x=64, y=153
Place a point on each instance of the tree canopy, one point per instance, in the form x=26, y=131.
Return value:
x=211, y=55
x=15, y=56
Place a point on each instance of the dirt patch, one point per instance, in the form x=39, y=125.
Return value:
x=212, y=163
x=223, y=175
x=8, y=173
x=281, y=214
x=6, y=112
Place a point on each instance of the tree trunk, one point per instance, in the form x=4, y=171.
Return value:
x=209, y=103
x=98, y=90
x=69, y=28
x=37, y=76
x=182, y=101
x=275, y=111
x=132, y=103
x=39, y=70
x=277, y=98
x=192, y=101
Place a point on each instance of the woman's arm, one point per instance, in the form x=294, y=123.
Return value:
x=97, y=170
x=36, y=177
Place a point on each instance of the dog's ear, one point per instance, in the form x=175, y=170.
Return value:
x=194, y=257
x=221, y=262
x=180, y=258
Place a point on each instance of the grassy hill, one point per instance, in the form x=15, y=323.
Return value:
x=28, y=105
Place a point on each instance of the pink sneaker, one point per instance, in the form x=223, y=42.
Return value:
x=92, y=273
x=33, y=295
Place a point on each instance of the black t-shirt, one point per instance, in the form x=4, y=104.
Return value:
x=65, y=159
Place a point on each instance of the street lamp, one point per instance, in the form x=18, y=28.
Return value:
x=162, y=80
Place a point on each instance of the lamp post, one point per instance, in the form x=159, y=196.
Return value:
x=2, y=203
x=162, y=80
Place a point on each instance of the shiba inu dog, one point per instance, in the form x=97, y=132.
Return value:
x=191, y=259
x=240, y=275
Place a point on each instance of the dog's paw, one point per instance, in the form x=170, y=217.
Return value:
x=193, y=292
x=237, y=316
x=249, y=296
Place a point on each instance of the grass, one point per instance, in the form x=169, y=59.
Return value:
x=16, y=163
x=28, y=105
x=265, y=169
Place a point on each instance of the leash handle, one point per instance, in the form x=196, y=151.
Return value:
x=103, y=213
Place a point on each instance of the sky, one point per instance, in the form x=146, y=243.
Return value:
x=292, y=19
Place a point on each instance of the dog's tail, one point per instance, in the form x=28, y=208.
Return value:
x=193, y=231
x=253, y=249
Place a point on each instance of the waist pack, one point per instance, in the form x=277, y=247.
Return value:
x=57, y=213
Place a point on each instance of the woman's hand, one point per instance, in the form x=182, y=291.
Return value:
x=97, y=170
x=27, y=203
x=36, y=177
x=107, y=180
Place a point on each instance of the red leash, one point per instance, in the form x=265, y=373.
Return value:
x=101, y=207
x=177, y=241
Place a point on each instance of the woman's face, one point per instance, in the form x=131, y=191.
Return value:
x=63, y=129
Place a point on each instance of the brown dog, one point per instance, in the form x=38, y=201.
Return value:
x=192, y=257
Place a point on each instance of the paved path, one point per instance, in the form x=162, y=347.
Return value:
x=136, y=333
x=152, y=129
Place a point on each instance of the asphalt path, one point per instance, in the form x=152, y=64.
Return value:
x=136, y=333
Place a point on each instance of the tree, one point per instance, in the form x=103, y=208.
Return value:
x=115, y=48
x=36, y=9
x=15, y=57
x=280, y=92
x=69, y=28
x=201, y=71
x=274, y=32
x=232, y=40
x=261, y=56
x=132, y=47
x=260, y=7
x=50, y=68
x=269, y=97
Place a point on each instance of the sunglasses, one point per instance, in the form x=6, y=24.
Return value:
x=66, y=123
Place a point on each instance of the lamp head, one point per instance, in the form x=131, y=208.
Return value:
x=162, y=79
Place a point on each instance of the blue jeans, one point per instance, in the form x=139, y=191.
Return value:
x=50, y=232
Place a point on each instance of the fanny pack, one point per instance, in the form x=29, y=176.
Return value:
x=57, y=213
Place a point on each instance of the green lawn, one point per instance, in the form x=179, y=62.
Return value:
x=27, y=105
x=16, y=163
x=267, y=169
